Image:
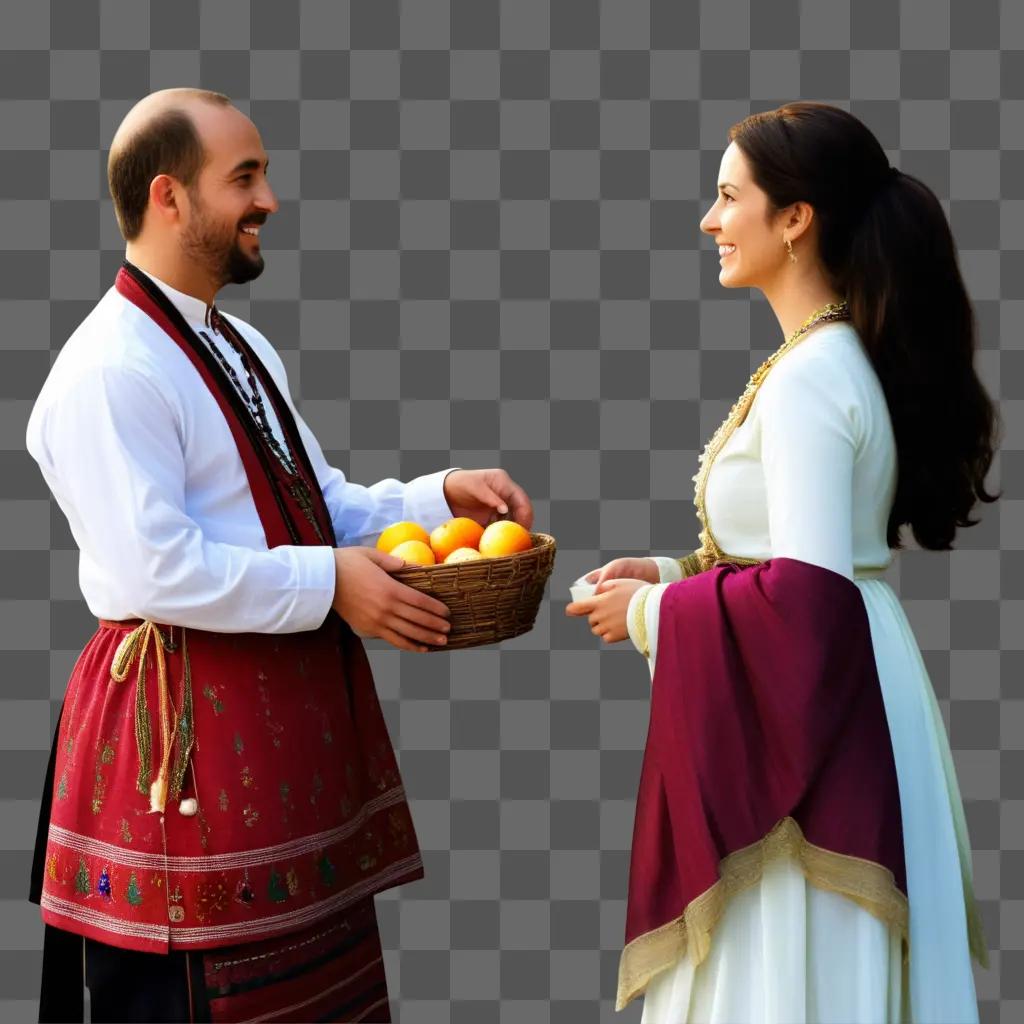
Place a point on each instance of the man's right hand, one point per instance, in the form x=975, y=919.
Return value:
x=374, y=604
x=645, y=569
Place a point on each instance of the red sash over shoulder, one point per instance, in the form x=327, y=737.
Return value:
x=280, y=742
x=768, y=738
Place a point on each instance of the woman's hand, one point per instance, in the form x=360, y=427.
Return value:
x=606, y=610
x=626, y=568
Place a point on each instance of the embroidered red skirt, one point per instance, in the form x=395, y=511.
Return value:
x=333, y=970
x=281, y=755
x=330, y=971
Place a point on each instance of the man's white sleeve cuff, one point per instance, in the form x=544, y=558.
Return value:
x=425, y=502
x=316, y=574
x=669, y=569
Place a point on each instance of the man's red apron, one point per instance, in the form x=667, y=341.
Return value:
x=279, y=740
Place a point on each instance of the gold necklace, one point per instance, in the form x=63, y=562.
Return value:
x=709, y=553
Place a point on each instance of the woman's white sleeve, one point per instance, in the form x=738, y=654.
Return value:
x=808, y=447
x=669, y=569
x=642, y=620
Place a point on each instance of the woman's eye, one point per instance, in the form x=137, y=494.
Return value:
x=245, y=177
x=725, y=195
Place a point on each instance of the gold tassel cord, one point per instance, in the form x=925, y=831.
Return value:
x=186, y=731
x=135, y=646
x=127, y=651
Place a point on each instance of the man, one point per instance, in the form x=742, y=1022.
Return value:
x=222, y=800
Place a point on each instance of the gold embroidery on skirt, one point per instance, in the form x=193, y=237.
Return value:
x=868, y=884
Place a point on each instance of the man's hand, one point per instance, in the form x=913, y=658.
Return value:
x=485, y=495
x=374, y=604
x=645, y=569
x=606, y=610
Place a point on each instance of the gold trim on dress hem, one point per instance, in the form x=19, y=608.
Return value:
x=867, y=883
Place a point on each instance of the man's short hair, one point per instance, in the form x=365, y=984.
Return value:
x=168, y=144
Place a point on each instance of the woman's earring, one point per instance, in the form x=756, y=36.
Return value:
x=789, y=249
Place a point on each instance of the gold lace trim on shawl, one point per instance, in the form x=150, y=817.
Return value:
x=868, y=884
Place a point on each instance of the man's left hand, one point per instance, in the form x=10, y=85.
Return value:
x=486, y=495
x=606, y=610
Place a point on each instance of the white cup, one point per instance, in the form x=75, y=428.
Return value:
x=582, y=589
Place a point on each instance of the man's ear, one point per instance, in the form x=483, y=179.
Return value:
x=164, y=194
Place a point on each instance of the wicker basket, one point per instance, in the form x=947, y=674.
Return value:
x=491, y=599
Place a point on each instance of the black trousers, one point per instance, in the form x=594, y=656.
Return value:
x=124, y=984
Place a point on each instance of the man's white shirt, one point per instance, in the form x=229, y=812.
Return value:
x=144, y=466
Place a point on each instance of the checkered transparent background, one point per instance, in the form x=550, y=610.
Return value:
x=487, y=253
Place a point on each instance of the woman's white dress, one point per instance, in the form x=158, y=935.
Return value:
x=811, y=475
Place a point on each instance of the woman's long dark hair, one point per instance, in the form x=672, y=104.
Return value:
x=886, y=245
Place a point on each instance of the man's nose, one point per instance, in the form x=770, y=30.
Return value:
x=268, y=201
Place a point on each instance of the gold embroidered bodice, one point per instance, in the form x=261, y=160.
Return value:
x=709, y=554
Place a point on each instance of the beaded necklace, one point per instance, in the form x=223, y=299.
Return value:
x=710, y=554
x=252, y=398
x=254, y=403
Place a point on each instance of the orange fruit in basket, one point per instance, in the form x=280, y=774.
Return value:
x=415, y=552
x=463, y=555
x=397, y=533
x=455, y=534
x=504, y=538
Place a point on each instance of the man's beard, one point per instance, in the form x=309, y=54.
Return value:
x=208, y=244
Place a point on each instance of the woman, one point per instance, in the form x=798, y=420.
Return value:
x=800, y=851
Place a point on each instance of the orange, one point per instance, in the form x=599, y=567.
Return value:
x=504, y=538
x=414, y=552
x=455, y=533
x=463, y=555
x=396, y=533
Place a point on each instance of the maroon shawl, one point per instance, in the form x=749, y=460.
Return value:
x=767, y=737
